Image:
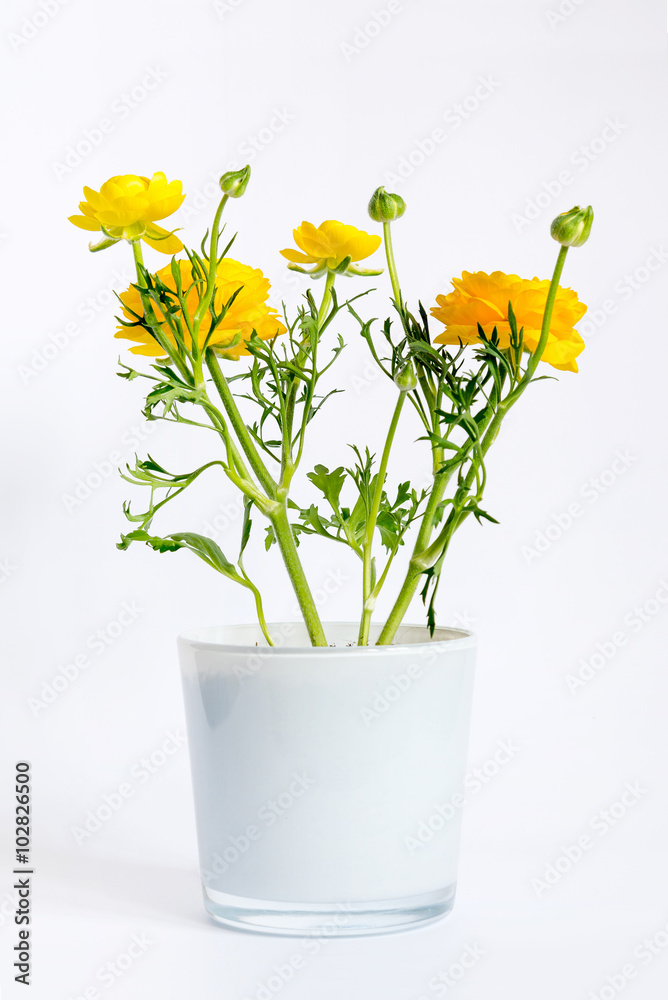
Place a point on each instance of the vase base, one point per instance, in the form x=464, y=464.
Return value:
x=328, y=919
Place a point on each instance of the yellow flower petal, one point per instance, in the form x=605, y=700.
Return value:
x=94, y=199
x=298, y=258
x=483, y=298
x=330, y=243
x=167, y=243
x=83, y=222
x=312, y=241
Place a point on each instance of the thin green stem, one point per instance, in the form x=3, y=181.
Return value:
x=156, y=329
x=368, y=600
x=240, y=429
x=139, y=259
x=286, y=543
x=205, y=301
x=288, y=464
x=259, y=609
x=430, y=556
x=547, y=316
x=326, y=298
x=350, y=538
x=410, y=583
x=391, y=264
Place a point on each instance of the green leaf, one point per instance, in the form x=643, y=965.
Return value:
x=312, y=517
x=102, y=245
x=157, y=543
x=246, y=526
x=329, y=483
x=208, y=550
x=205, y=548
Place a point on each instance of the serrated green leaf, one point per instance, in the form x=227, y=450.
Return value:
x=329, y=483
x=157, y=543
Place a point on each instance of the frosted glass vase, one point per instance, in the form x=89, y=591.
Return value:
x=315, y=771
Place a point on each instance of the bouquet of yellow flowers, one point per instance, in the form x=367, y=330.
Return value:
x=205, y=309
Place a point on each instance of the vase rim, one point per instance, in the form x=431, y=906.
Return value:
x=222, y=637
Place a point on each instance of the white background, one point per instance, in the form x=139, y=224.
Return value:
x=360, y=102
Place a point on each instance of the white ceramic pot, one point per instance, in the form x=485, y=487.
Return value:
x=320, y=774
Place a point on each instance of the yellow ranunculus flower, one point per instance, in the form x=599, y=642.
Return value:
x=126, y=208
x=328, y=245
x=483, y=298
x=248, y=312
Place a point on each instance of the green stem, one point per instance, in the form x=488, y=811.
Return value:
x=139, y=259
x=240, y=429
x=424, y=376
x=430, y=556
x=391, y=265
x=372, y=517
x=288, y=465
x=547, y=318
x=156, y=330
x=350, y=538
x=203, y=306
x=258, y=604
x=413, y=574
x=326, y=298
x=286, y=544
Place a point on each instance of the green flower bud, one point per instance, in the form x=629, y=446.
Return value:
x=572, y=229
x=235, y=182
x=406, y=379
x=385, y=207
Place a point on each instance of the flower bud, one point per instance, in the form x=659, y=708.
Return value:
x=385, y=207
x=572, y=229
x=235, y=182
x=406, y=379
